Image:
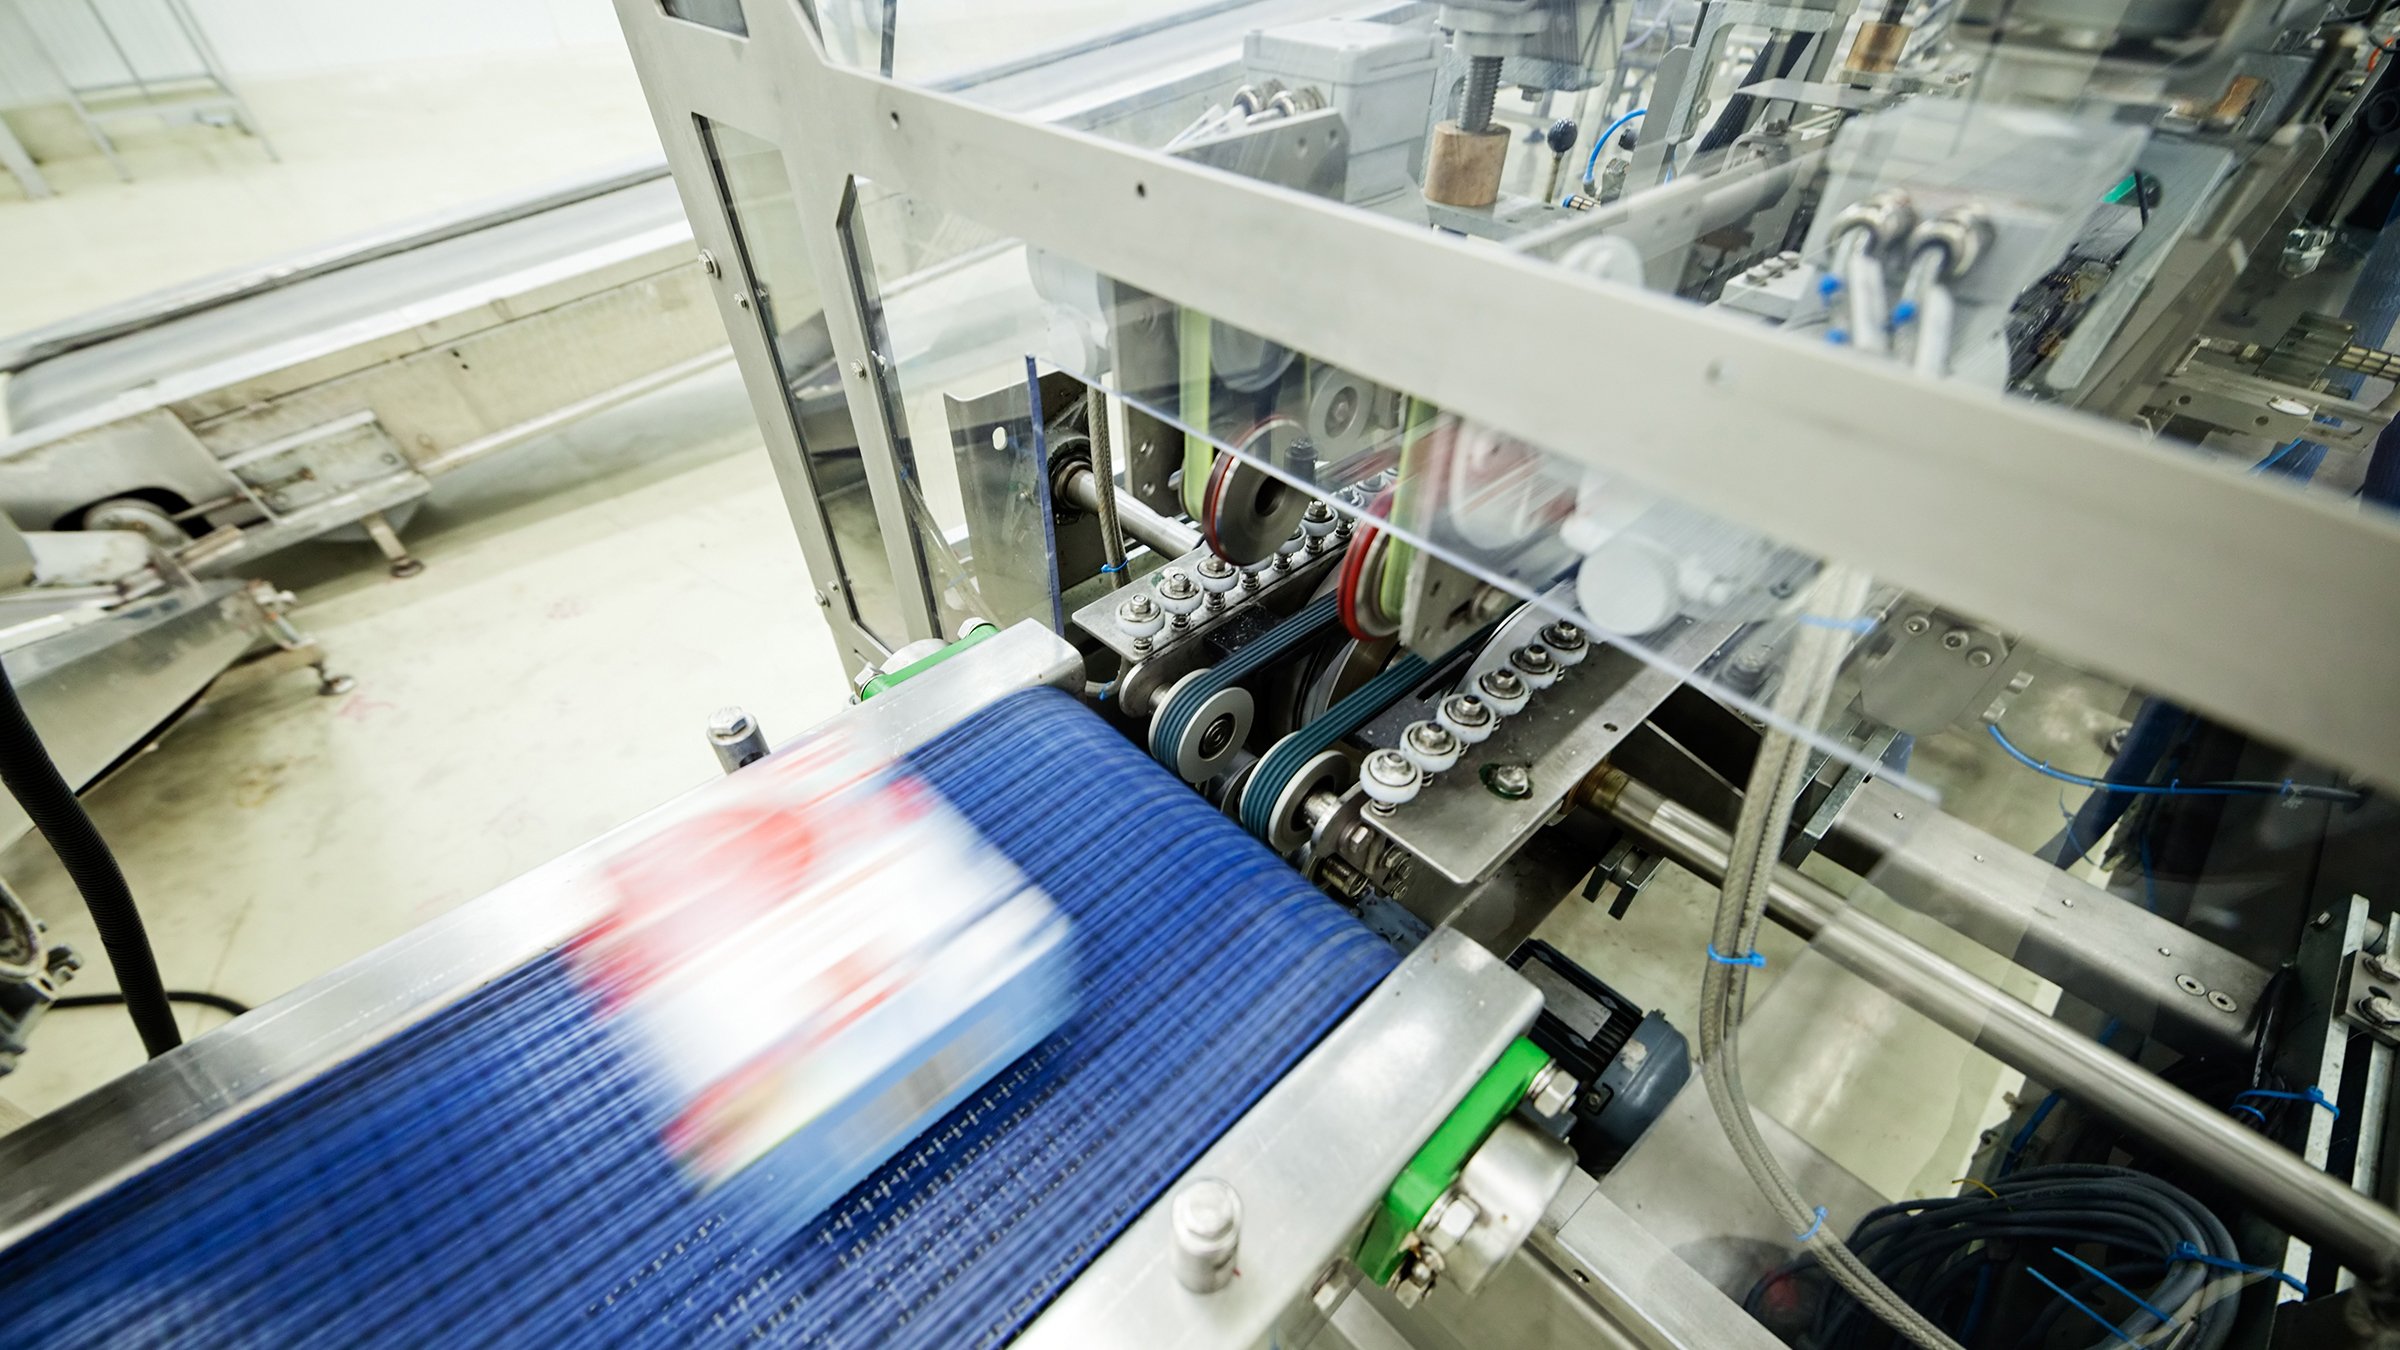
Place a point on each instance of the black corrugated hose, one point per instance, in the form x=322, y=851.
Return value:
x=32, y=779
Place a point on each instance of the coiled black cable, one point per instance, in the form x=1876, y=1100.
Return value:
x=1968, y=1263
x=31, y=778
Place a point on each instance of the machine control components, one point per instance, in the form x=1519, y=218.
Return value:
x=1431, y=746
x=1504, y=690
x=736, y=738
x=1389, y=778
x=1208, y=1231
x=1630, y=1064
x=1468, y=717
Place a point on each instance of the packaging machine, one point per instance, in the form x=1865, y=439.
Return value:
x=1331, y=491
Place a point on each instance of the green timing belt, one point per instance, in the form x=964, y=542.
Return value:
x=1310, y=621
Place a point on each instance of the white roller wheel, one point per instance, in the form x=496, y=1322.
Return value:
x=1387, y=777
x=1179, y=604
x=1507, y=697
x=1215, y=581
x=1535, y=664
x=1469, y=718
x=1136, y=624
x=1431, y=746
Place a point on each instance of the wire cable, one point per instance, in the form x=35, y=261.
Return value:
x=1592, y=163
x=196, y=997
x=2146, y=1250
x=1775, y=778
x=33, y=779
x=2239, y=788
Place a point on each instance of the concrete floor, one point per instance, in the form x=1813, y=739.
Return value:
x=587, y=602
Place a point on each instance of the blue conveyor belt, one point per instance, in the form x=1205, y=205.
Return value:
x=493, y=1175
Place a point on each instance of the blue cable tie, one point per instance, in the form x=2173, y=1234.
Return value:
x=2314, y=1095
x=1903, y=313
x=2185, y=1251
x=1811, y=1231
x=1861, y=624
x=1119, y=567
x=1829, y=286
x=2254, y=1111
x=2165, y=1317
x=1839, y=337
x=1752, y=959
x=2082, y=1307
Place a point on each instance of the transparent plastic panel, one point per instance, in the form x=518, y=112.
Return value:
x=1455, y=524
x=1984, y=201
x=967, y=419
x=757, y=191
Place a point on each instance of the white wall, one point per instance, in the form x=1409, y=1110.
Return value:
x=268, y=38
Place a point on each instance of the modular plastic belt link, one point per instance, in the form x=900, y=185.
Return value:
x=494, y=1175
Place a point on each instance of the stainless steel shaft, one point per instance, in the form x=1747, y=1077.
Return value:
x=1165, y=537
x=2312, y=1205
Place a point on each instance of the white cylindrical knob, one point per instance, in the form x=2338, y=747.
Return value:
x=1208, y=1229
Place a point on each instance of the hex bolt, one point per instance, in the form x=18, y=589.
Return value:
x=1513, y=781
x=1552, y=1092
x=1178, y=594
x=1566, y=642
x=1468, y=717
x=1534, y=662
x=1208, y=1229
x=2380, y=1010
x=1504, y=690
x=1139, y=616
x=1431, y=746
x=1216, y=574
x=1318, y=520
